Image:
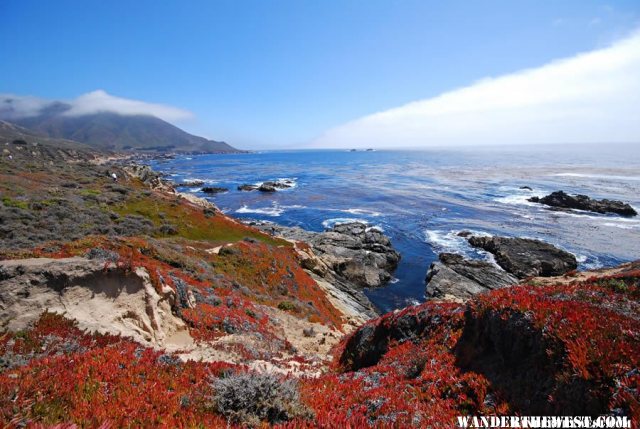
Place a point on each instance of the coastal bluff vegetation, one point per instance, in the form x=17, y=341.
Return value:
x=124, y=303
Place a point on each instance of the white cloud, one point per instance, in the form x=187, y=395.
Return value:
x=100, y=101
x=589, y=98
x=12, y=106
x=17, y=106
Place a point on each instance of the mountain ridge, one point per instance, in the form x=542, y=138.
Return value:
x=113, y=131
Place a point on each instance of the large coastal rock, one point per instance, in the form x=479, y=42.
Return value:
x=149, y=177
x=454, y=277
x=560, y=199
x=524, y=257
x=213, y=190
x=349, y=256
x=353, y=251
x=269, y=186
x=362, y=255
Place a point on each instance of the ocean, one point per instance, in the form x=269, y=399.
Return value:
x=422, y=199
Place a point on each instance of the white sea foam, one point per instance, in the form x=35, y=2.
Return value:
x=602, y=219
x=621, y=226
x=593, y=264
x=294, y=206
x=329, y=223
x=291, y=182
x=411, y=302
x=275, y=210
x=358, y=211
x=362, y=212
x=375, y=228
x=446, y=241
x=598, y=176
x=449, y=242
x=519, y=197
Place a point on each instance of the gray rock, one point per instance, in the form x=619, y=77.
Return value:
x=524, y=257
x=267, y=187
x=350, y=256
x=454, y=277
x=190, y=184
x=562, y=200
x=246, y=187
x=359, y=254
x=147, y=176
x=213, y=190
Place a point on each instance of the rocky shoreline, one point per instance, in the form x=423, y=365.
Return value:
x=156, y=298
x=352, y=256
x=456, y=278
x=344, y=259
x=349, y=257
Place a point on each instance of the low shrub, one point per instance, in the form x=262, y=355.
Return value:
x=250, y=399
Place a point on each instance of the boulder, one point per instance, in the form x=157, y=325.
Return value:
x=562, y=200
x=361, y=255
x=524, y=257
x=280, y=184
x=247, y=187
x=213, y=190
x=267, y=187
x=454, y=277
x=149, y=177
x=347, y=257
x=190, y=184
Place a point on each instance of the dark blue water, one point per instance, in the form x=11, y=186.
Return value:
x=423, y=198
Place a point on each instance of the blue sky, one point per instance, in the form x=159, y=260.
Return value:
x=282, y=73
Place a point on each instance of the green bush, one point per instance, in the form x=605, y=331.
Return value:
x=286, y=306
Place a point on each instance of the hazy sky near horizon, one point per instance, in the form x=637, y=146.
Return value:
x=335, y=73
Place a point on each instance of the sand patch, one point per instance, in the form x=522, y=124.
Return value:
x=101, y=298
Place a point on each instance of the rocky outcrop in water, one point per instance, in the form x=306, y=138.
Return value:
x=562, y=200
x=196, y=183
x=213, y=190
x=247, y=187
x=269, y=186
x=524, y=257
x=362, y=255
x=454, y=277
